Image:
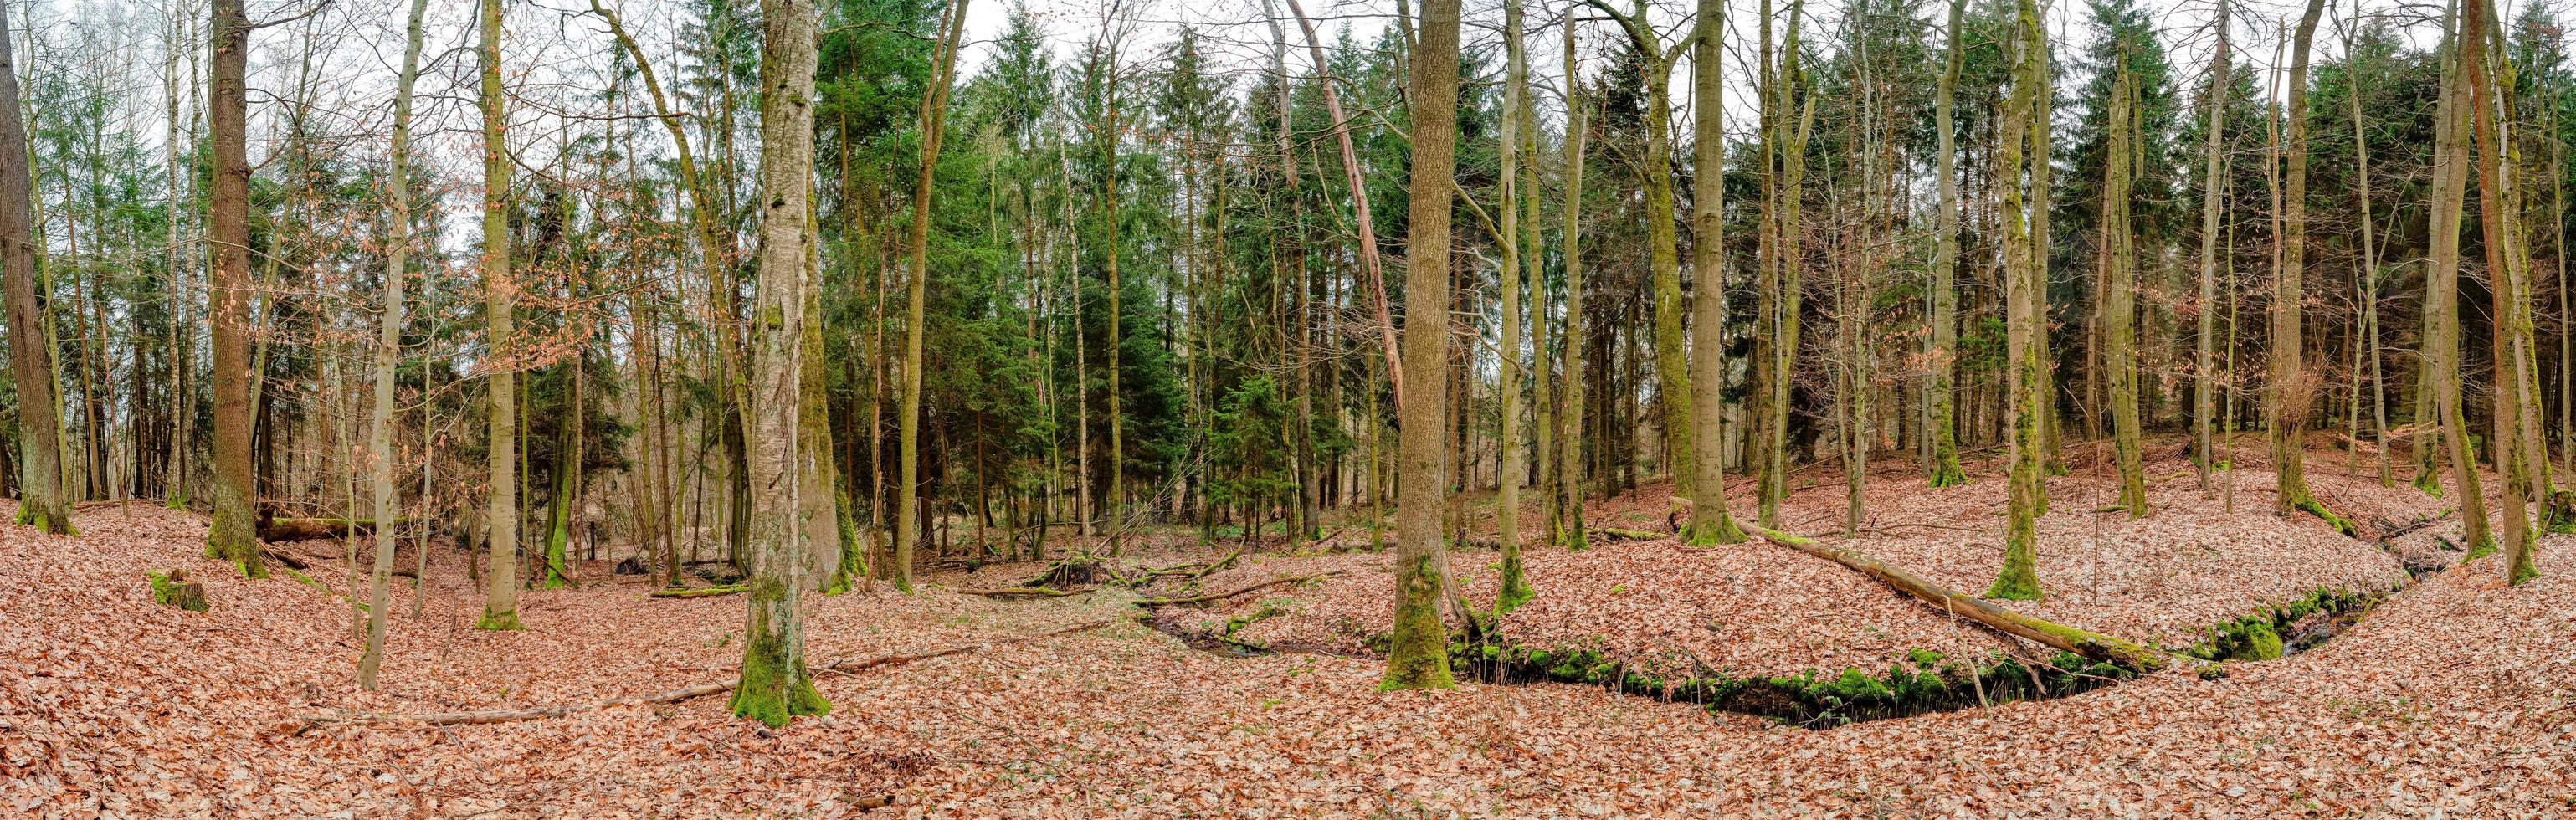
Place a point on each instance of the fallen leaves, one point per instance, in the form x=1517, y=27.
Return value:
x=2451, y=698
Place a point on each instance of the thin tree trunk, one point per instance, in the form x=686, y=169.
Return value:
x=2019, y=577
x=2507, y=271
x=2450, y=185
x=380, y=442
x=501, y=597
x=1945, y=471
x=1570, y=444
x=2205, y=367
x=2291, y=390
x=934, y=113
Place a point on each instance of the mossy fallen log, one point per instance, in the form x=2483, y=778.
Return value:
x=305, y=723
x=699, y=592
x=2091, y=645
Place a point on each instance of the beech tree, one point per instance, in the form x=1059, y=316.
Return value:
x=1418, y=646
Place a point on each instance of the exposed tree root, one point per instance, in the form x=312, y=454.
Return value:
x=306, y=723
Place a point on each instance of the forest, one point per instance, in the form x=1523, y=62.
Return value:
x=1087, y=408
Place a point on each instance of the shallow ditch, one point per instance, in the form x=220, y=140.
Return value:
x=1924, y=682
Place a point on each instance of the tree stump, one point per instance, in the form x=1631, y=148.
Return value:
x=173, y=588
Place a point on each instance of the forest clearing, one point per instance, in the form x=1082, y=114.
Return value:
x=1270, y=408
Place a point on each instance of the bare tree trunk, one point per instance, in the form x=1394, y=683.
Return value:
x=501, y=597
x=2507, y=271
x=1418, y=647
x=230, y=536
x=2369, y=259
x=934, y=114
x=1570, y=443
x=1513, y=584
x=775, y=684
x=2204, y=454
x=2442, y=292
x=1710, y=521
x=40, y=491
x=2026, y=309
x=1945, y=264
x=2291, y=389
x=2118, y=286
x=380, y=443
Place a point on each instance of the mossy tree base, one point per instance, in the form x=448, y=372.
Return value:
x=502, y=622
x=2019, y=578
x=2428, y=482
x=775, y=689
x=1723, y=530
x=28, y=515
x=1947, y=473
x=1417, y=655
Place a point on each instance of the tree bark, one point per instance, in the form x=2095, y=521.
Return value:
x=1711, y=522
x=40, y=491
x=1570, y=443
x=501, y=597
x=934, y=113
x=2026, y=307
x=1945, y=264
x=380, y=439
x=775, y=683
x=1418, y=648
x=230, y=537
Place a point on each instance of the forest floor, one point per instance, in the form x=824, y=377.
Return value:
x=2455, y=696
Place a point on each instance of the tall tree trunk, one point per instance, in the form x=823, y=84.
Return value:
x=1418, y=647
x=1945, y=264
x=2369, y=256
x=1663, y=253
x=2212, y=198
x=2507, y=272
x=40, y=491
x=1512, y=585
x=1710, y=521
x=1570, y=443
x=775, y=685
x=2442, y=294
x=380, y=439
x=230, y=536
x=2026, y=310
x=501, y=597
x=934, y=115
x=2119, y=299
x=2291, y=391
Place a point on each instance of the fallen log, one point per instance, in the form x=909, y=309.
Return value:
x=1615, y=533
x=302, y=529
x=1201, y=599
x=699, y=592
x=287, y=558
x=306, y=723
x=2091, y=645
x=1019, y=592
